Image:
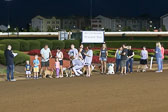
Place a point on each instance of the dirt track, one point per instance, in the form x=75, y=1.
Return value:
x=133, y=93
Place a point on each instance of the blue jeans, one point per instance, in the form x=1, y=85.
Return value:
x=10, y=69
x=118, y=64
x=129, y=65
x=160, y=63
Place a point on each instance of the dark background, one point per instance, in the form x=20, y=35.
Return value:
x=21, y=11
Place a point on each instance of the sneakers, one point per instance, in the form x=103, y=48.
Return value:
x=158, y=71
x=13, y=80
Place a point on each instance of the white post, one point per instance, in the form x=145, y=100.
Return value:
x=151, y=63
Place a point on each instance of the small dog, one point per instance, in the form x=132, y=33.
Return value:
x=111, y=69
x=48, y=73
x=68, y=71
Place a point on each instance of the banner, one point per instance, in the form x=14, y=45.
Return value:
x=93, y=37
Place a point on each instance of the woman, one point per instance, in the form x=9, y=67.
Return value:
x=158, y=56
x=80, y=56
x=162, y=51
x=60, y=57
x=88, y=61
x=103, y=58
x=118, y=59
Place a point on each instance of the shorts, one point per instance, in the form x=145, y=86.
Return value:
x=61, y=62
x=103, y=59
x=28, y=72
x=36, y=69
x=143, y=61
x=45, y=64
x=123, y=63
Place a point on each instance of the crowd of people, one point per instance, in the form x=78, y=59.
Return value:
x=81, y=59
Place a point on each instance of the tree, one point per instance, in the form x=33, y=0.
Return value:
x=164, y=28
x=127, y=28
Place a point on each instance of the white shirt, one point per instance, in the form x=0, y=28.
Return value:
x=144, y=54
x=59, y=55
x=46, y=54
x=88, y=59
x=77, y=62
x=73, y=52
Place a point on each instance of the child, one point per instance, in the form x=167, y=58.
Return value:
x=57, y=66
x=144, y=60
x=28, y=69
x=88, y=60
x=103, y=58
x=36, y=64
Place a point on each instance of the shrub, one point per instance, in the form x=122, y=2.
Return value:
x=58, y=43
x=44, y=42
x=14, y=43
x=135, y=44
x=69, y=42
x=2, y=47
x=19, y=59
x=24, y=45
x=34, y=44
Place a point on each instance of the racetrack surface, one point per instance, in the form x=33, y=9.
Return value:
x=137, y=92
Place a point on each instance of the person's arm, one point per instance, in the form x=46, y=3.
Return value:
x=62, y=55
x=100, y=54
x=133, y=54
x=41, y=52
x=107, y=53
x=50, y=53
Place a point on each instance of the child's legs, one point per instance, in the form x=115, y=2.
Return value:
x=57, y=71
x=102, y=66
x=105, y=68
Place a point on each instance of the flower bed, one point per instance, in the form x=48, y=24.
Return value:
x=111, y=58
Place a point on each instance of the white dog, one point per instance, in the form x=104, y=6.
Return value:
x=111, y=69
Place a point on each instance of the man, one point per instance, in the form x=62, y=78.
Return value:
x=9, y=55
x=73, y=52
x=83, y=51
x=130, y=60
x=45, y=55
x=124, y=56
x=77, y=66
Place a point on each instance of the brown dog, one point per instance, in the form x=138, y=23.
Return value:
x=48, y=72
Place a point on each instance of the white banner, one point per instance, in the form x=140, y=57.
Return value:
x=93, y=37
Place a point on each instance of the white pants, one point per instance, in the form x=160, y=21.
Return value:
x=77, y=69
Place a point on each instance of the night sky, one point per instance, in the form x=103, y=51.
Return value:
x=21, y=11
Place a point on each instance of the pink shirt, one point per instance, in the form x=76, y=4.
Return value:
x=162, y=51
x=57, y=64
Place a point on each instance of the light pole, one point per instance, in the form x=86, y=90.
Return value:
x=8, y=6
x=91, y=13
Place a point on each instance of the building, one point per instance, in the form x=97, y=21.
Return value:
x=123, y=23
x=3, y=28
x=74, y=22
x=43, y=24
x=164, y=21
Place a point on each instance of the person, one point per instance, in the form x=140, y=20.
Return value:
x=158, y=54
x=77, y=66
x=28, y=69
x=129, y=64
x=118, y=59
x=82, y=51
x=9, y=55
x=143, y=60
x=124, y=56
x=57, y=66
x=88, y=61
x=162, y=51
x=103, y=58
x=46, y=55
x=80, y=56
x=60, y=57
x=36, y=64
x=73, y=52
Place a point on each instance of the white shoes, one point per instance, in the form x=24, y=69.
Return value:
x=13, y=80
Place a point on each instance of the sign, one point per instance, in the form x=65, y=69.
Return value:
x=93, y=37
